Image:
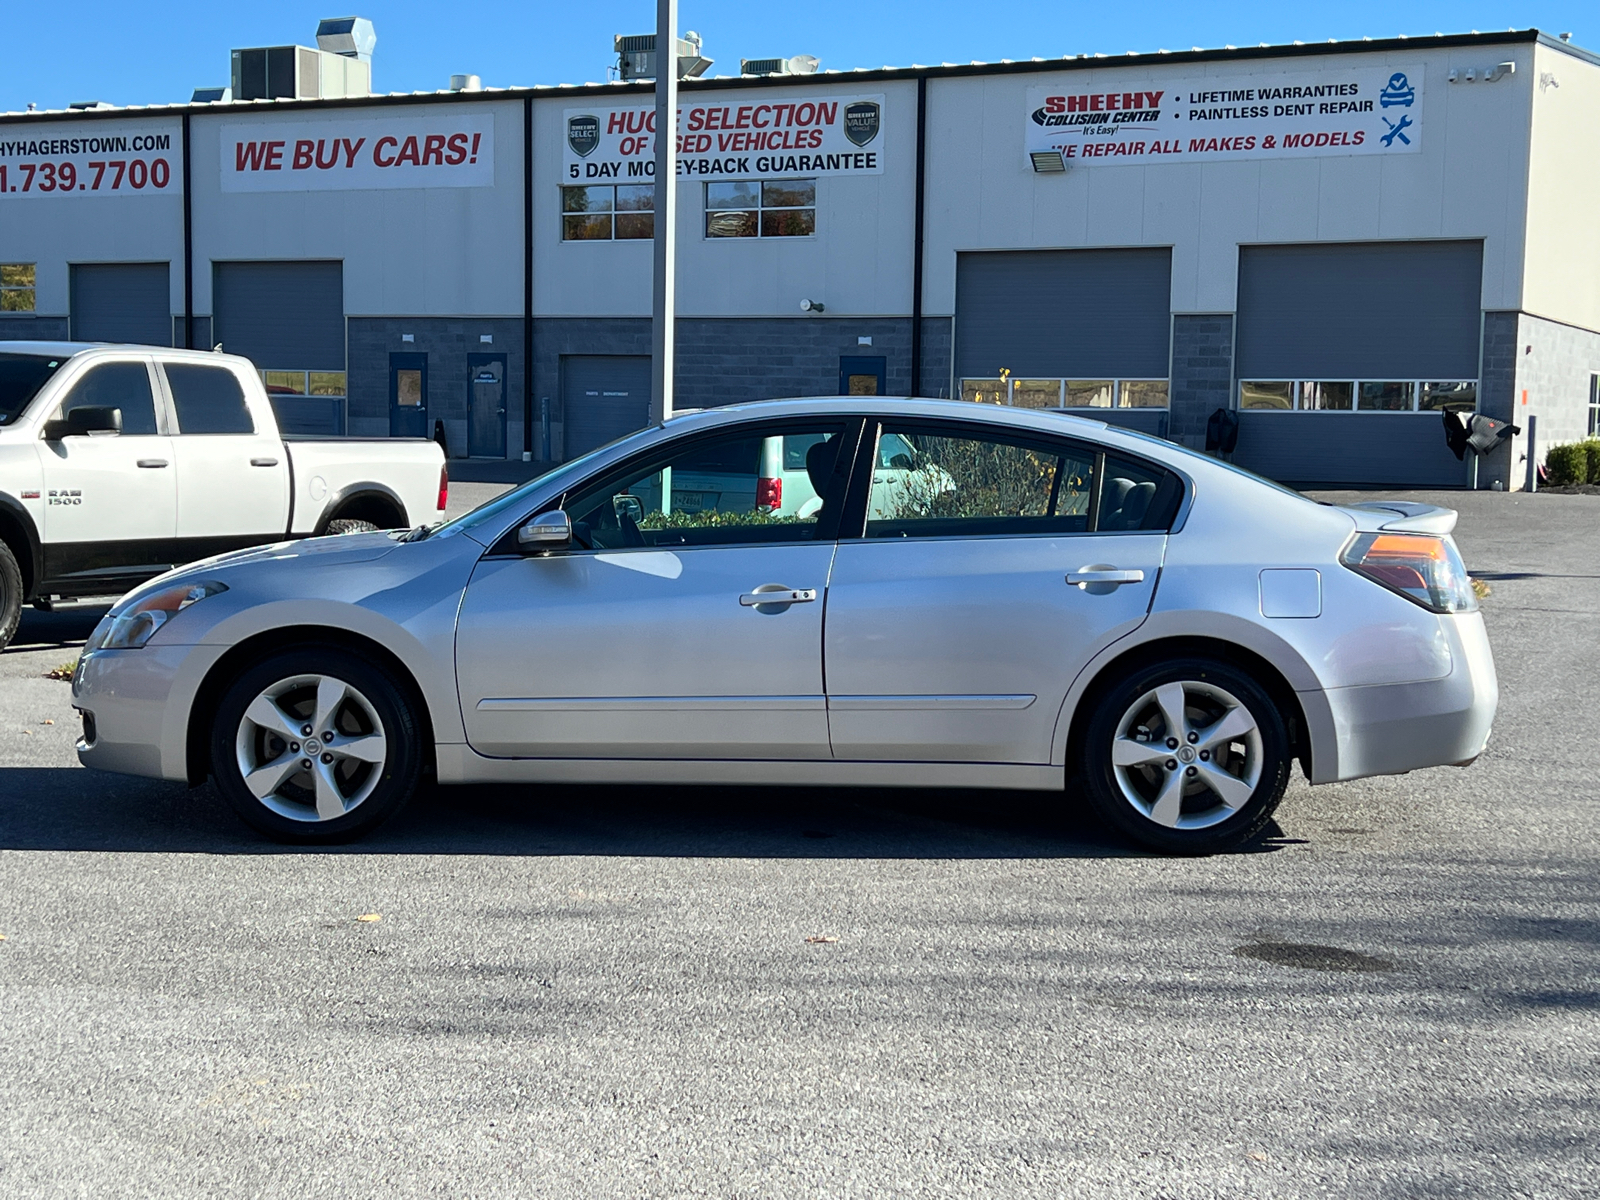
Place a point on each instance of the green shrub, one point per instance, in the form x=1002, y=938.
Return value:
x=1568, y=464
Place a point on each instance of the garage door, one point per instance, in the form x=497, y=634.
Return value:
x=1072, y=327
x=1345, y=354
x=122, y=302
x=282, y=316
x=604, y=397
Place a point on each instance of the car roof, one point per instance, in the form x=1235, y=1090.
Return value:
x=1047, y=420
x=75, y=349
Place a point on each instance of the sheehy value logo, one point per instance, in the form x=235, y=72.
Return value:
x=583, y=134
x=861, y=121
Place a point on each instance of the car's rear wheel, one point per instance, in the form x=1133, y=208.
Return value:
x=10, y=595
x=1187, y=757
x=316, y=745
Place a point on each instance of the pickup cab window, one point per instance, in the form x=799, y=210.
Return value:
x=122, y=385
x=208, y=399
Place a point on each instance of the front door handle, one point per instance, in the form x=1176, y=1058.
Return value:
x=152, y=462
x=1098, y=578
x=775, y=595
x=263, y=462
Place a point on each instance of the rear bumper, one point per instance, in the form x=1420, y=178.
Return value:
x=1392, y=728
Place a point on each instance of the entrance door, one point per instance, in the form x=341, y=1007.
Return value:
x=649, y=637
x=953, y=633
x=603, y=397
x=863, y=375
x=408, y=395
x=486, y=405
x=111, y=500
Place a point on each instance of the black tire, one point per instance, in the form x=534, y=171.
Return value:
x=387, y=785
x=10, y=595
x=350, y=525
x=1130, y=798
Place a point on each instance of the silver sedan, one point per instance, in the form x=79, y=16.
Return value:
x=819, y=592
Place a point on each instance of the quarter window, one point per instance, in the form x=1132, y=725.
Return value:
x=770, y=486
x=121, y=385
x=17, y=287
x=208, y=399
x=774, y=208
x=608, y=212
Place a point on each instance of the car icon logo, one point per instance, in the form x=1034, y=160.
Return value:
x=1398, y=92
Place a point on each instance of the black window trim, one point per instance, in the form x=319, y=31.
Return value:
x=853, y=426
x=854, y=517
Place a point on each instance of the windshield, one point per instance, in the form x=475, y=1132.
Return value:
x=21, y=377
x=564, y=474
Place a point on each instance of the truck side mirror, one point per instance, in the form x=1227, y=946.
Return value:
x=548, y=531
x=83, y=421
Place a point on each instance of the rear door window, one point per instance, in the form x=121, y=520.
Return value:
x=207, y=399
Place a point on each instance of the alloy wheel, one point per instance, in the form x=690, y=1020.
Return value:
x=1187, y=755
x=311, y=748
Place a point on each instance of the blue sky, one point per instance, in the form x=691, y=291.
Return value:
x=129, y=52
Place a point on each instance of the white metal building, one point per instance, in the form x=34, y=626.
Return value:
x=1334, y=240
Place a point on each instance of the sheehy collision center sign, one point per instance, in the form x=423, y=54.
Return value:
x=1366, y=110
x=426, y=150
x=91, y=158
x=722, y=139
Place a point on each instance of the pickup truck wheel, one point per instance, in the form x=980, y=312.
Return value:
x=350, y=525
x=315, y=745
x=1186, y=757
x=10, y=595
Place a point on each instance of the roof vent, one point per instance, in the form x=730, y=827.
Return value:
x=800, y=64
x=465, y=83
x=348, y=37
x=636, y=56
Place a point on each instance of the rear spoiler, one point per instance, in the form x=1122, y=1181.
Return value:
x=1409, y=517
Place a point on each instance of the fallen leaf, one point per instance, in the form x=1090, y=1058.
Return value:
x=1257, y=1156
x=49, y=722
x=370, y=917
x=2, y=937
x=28, y=731
x=817, y=940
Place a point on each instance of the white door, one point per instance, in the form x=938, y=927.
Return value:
x=649, y=637
x=110, y=499
x=953, y=632
x=232, y=468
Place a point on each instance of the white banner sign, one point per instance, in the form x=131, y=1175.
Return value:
x=729, y=140
x=418, y=149
x=1362, y=110
x=90, y=158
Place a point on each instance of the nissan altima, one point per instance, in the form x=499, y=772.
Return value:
x=820, y=592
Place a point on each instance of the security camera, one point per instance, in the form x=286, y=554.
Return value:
x=810, y=306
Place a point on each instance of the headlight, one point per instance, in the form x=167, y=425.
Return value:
x=1426, y=570
x=133, y=627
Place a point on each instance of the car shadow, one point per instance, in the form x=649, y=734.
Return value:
x=64, y=808
x=62, y=628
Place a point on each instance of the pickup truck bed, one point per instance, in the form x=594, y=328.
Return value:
x=120, y=462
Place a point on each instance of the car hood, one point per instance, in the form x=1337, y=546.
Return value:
x=333, y=551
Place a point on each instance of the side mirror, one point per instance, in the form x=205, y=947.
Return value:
x=547, y=531
x=84, y=420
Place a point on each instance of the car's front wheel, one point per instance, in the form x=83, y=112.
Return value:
x=315, y=745
x=1189, y=756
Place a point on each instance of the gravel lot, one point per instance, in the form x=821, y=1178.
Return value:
x=607, y=992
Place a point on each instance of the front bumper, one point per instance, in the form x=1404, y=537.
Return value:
x=139, y=701
x=1388, y=729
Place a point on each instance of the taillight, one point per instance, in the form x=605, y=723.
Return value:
x=769, y=493
x=444, y=487
x=1424, y=569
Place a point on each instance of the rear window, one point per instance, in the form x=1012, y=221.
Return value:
x=21, y=377
x=208, y=399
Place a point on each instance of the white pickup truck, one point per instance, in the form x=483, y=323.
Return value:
x=120, y=462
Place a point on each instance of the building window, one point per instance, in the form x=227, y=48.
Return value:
x=608, y=212
x=1067, y=393
x=304, y=383
x=1359, y=395
x=1594, y=406
x=776, y=208
x=16, y=287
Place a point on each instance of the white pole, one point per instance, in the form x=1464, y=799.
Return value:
x=664, y=282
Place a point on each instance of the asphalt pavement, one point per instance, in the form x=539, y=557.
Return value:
x=574, y=991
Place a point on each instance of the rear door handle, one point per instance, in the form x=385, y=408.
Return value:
x=152, y=462
x=263, y=462
x=769, y=593
x=1091, y=575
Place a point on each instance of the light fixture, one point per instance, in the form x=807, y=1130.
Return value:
x=811, y=306
x=1048, y=162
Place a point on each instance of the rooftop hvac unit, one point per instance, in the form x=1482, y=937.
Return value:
x=211, y=95
x=800, y=64
x=349, y=37
x=636, y=56
x=298, y=73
